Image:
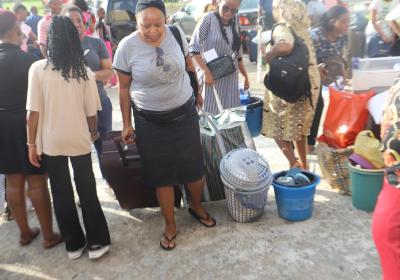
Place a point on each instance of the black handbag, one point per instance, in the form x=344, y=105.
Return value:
x=288, y=75
x=221, y=66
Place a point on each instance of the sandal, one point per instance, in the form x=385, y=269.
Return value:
x=168, y=248
x=26, y=241
x=57, y=239
x=201, y=219
x=297, y=164
x=7, y=215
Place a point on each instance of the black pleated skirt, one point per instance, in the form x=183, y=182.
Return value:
x=13, y=148
x=169, y=145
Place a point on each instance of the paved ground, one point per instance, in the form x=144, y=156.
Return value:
x=334, y=244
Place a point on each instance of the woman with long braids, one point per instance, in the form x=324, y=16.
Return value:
x=219, y=30
x=62, y=109
x=14, y=161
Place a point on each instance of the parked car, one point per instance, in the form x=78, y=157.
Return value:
x=248, y=15
x=188, y=16
x=120, y=16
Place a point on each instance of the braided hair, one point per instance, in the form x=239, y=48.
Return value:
x=64, y=49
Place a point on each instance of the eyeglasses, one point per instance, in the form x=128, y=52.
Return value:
x=160, y=60
x=226, y=9
x=160, y=57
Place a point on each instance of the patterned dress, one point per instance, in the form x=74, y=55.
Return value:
x=208, y=36
x=325, y=48
x=292, y=121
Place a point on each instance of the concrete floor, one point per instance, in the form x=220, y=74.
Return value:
x=335, y=243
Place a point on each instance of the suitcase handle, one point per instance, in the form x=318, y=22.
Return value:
x=122, y=148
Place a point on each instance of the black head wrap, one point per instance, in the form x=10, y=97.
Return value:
x=144, y=4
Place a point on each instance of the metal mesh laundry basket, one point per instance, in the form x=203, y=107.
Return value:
x=334, y=166
x=246, y=177
x=245, y=207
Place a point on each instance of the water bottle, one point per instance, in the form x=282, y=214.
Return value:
x=355, y=62
x=244, y=97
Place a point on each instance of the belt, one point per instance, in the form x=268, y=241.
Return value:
x=164, y=117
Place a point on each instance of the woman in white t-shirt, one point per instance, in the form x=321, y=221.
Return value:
x=378, y=11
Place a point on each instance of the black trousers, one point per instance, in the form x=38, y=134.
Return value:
x=317, y=119
x=64, y=203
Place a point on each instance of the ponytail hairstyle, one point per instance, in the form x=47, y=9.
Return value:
x=329, y=18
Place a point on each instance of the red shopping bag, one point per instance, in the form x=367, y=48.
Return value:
x=347, y=115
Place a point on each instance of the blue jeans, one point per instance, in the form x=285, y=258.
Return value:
x=104, y=124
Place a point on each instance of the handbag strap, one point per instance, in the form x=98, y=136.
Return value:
x=218, y=135
x=218, y=100
x=177, y=36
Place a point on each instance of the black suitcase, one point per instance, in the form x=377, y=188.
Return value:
x=122, y=169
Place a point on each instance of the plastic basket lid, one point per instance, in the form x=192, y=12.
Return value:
x=245, y=170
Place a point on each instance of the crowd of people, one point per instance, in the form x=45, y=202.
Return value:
x=54, y=103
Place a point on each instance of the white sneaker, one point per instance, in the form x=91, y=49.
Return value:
x=73, y=255
x=97, y=251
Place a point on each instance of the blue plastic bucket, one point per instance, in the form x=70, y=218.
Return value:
x=295, y=203
x=254, y=115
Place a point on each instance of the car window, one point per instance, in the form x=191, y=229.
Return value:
x=190, y=9
x=249, y=4
x=129, y=5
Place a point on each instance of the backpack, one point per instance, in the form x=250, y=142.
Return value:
x=288, y=75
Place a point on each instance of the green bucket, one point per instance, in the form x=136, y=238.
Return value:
x=365, y=186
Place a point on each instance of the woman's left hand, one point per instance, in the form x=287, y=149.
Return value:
x=246, y=83
x=94, y=136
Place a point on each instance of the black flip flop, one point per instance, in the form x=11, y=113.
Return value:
x=167, y=248
x=200, y=219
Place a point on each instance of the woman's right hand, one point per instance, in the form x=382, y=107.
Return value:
x=34, y=158
x=389, y=39
x=208, y=78
x=127, y=135
x=322, y=71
